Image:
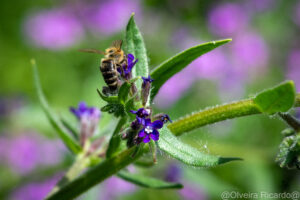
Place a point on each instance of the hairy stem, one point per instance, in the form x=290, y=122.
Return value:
x=216, y=114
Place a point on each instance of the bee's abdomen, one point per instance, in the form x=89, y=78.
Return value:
x=109, y=74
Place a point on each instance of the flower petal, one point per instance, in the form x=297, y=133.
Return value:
x=146, y=139
x=82, y=106
x=157, y=124
x=133, y=112
x=130, y=57
x=146, y=122
x=154, y=135
x=142, y=133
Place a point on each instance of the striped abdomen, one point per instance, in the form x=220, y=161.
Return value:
x=109, y=74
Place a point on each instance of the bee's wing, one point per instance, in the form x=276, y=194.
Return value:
x=92, y=51
x=117, y=44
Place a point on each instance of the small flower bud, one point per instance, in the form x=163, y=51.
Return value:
x=146, y=86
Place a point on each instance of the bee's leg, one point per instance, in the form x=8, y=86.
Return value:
x=106, y=91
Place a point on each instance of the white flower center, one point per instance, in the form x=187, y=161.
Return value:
x=148, y=129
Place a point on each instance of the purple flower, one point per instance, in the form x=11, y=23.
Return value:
x=109, y=17
x=141, y=114
x=173, y=173
x=54, y=29
x=126, y=69
x=123, y=188
x=259, y=5
x=89, y=118
x=26, y=152
x=174, y=88
x=147, y=80
x=83, y=111
x=297, y=14
x=250, y=54
x=36, y=190
x=150, y=130
x=227, y=19
x=293, y=70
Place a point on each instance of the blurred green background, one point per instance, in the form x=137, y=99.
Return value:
x=265, y=51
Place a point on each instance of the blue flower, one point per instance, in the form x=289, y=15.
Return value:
x=126, y=69
x=141, y=114
x=83, y=111
x=150, y=130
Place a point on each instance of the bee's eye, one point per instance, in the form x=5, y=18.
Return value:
x=111, y=51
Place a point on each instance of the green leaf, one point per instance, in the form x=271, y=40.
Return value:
x=62, y=133
x=114, y=108
x=187, y=154
x=278, y=99
x=175, y=64
x=148, y=182
x=70, y=128
x=95, y=175
x=136, y=46
x=123, y=92
x=109, y=99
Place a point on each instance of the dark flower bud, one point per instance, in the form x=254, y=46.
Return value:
x=146, y=86
x=162, y=117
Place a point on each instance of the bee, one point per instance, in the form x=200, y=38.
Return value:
x=114, y=59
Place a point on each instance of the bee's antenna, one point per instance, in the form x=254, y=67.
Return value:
x=92, y=51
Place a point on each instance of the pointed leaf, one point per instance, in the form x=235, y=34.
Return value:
x=123, y=92
x=278, y=99
x=187, y=154
x=175, y=64
x=62, y=133
x=148, y=182
x=109, y=99
x=136, y=46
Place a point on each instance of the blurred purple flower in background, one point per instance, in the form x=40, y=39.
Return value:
x=250, y=54
x=54, y=29
x=174, y=88
x=190, y=191
x=26, y=152
x=212, y=65
x=297, y=14
x=293, y=67
x=115, y=187
x=36, y=190
x=109, y=17
x=227, y=19
x=259, y=5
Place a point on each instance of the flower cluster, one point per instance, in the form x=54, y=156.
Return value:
x=89, y=118
x=145, y=128
x=125, y=70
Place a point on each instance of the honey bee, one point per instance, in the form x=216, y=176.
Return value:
x=114, y=59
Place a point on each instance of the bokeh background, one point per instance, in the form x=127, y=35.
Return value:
x=265, y=51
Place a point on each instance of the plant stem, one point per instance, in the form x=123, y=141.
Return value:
x=291, y=121
x=95, y=175
x=216, y=114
